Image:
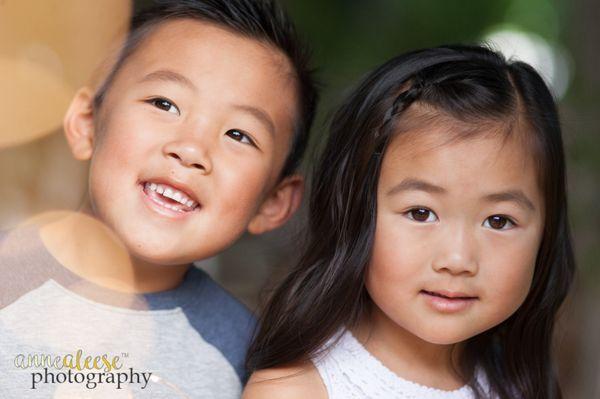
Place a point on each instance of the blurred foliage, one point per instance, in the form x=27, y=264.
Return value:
x=352, y=36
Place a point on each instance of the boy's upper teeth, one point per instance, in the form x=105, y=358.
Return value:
x=173, y=193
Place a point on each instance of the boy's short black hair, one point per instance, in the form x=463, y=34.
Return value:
x=263, y=20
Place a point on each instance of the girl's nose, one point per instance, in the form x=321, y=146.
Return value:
x=189, y=153
x=456, y=253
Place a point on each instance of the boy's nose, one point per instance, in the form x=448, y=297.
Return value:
x=456, y=253
x=189, y=155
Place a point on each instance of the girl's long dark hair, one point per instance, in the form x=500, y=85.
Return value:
x=325, y=290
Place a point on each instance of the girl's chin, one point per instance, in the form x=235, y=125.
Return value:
x=442, y=336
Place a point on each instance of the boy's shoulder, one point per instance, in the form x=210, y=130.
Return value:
x=206, y=302
x=23, y=264
x=211, y=313
x=218, y=317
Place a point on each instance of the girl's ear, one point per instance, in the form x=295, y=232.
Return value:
x=79, y=124
x=279, y=206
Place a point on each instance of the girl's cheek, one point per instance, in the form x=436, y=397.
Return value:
x=396, y=254
x=508, y=281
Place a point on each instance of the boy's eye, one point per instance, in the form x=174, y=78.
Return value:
x=238, y=135
x=421, y=215
x=498, y=222
x=165, y=105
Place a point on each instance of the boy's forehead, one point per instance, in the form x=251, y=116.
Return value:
x=201, y=51
x=215, y=65
x=169, y=41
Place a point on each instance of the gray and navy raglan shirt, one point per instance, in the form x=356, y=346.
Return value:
x=64, y=337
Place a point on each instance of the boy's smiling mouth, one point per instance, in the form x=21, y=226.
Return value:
x=167, y=199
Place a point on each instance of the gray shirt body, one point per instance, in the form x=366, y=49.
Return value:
x=189, y=342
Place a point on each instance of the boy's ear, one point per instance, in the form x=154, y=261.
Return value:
x=279, y=206
x=79, y=124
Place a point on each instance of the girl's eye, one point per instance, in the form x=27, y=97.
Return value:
x=423, y=215
x=238, y=135
x=498, y=222
x=165, y=105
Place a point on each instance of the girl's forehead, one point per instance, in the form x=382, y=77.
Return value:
x=447, y=135
x=451, y=157
x=423, y=130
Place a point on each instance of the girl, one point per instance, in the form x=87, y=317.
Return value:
x=439, y=249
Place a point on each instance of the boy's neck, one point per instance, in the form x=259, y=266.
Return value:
x=407, y=355
x=89, y=249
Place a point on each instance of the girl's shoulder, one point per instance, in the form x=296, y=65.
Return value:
x=348, y=369
x=295, y=381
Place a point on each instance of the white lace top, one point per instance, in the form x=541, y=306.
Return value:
x=349, y=371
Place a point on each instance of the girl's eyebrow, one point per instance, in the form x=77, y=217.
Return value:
x=415, y=184
x=515, y=195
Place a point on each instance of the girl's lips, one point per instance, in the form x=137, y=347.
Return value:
x=447, y=302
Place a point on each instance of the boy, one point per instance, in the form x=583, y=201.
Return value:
x=193, y=139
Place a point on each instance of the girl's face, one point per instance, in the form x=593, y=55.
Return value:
x=458, y=229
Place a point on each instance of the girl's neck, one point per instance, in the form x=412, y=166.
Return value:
x=89, y=249
x=407, y=355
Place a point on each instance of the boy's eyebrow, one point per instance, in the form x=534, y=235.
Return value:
x=168, y=76
x=172, y=76
x=259, y=114
x=415, y=184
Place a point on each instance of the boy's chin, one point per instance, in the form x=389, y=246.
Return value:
x=169, y=254
x=151, y=245
x=157, y=257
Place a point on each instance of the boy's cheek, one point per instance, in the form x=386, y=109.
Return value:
x=242, y=184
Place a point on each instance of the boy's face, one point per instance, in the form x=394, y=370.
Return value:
x=204, y=113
